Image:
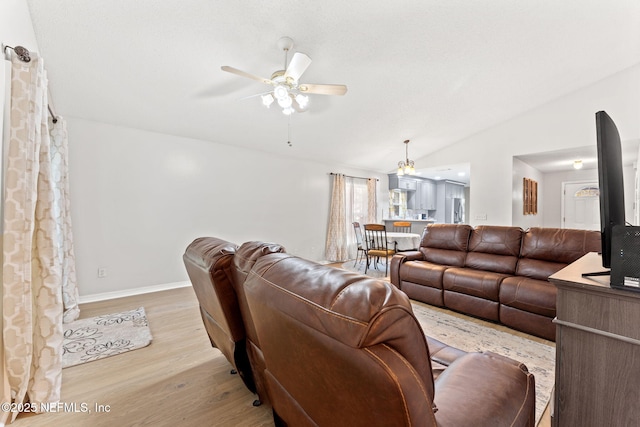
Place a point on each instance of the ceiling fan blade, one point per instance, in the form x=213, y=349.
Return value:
x=299, y=63
x=323, y=89
x=245, y=74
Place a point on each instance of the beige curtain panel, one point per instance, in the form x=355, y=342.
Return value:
x=372, y=202
x=336, y=247
x=37, y=251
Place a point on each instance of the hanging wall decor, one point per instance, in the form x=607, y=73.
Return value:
x=529, y=196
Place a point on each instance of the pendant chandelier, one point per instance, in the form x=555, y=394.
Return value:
x=406, y=167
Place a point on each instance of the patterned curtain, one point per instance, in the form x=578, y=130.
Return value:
x=62, y=213
x=31, y=347
x=336, y=248
x=351, y=200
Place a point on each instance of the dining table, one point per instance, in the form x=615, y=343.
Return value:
x=403, y=241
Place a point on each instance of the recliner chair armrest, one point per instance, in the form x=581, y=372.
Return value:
x=396, y=262
x=485, y=389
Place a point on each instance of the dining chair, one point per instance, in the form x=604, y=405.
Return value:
x=402, y=226
x=377, y=245
x=359, y=241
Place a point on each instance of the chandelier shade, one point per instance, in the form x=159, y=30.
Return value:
x=287, y=95
x=406, y=166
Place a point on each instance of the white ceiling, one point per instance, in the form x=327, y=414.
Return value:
x=562, y=160
x=430, y=71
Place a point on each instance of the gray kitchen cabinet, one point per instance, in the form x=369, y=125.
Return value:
x=402, y=183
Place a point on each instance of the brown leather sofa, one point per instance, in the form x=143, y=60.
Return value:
x=217, y=269
x=495, y=273
x=337, y=348
x=208, y=263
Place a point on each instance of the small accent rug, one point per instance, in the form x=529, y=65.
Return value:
x=98, y=337
x=474, y=336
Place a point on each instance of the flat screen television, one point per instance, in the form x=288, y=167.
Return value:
x=611, y=182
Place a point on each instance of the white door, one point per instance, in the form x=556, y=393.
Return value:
x=581, y=205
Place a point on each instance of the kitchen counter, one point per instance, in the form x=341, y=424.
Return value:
x=417, y=225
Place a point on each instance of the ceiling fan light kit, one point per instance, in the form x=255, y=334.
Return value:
x=287, y=92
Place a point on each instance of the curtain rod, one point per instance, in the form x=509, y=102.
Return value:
x=25, y=56
x=349, y=176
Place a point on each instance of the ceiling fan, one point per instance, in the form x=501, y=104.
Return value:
x=288, y=92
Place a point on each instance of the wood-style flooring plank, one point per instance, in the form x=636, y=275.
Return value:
x=178, y=380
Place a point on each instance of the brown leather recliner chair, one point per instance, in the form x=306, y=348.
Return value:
x=243, y=261
x=208, y=261
x=341, y=349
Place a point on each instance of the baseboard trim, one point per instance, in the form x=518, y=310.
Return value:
x=83, y=299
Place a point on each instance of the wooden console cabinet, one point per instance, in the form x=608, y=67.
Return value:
x=597, y=350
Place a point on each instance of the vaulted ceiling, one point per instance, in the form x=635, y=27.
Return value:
x=430, y=71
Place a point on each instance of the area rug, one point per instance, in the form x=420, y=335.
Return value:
x=473, y=335
x=86, y=340
x=376, y=271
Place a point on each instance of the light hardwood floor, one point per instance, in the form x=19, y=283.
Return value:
x=178, y=380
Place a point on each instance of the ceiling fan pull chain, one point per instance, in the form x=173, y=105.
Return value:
x=289, y=132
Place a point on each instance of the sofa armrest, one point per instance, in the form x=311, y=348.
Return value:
x=398, y=260
x=485, y=389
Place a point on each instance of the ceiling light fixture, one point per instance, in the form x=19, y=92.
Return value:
x=406, y=167
x=290, y=94
x=577, y=164
x=287, y=90
x=286, y=93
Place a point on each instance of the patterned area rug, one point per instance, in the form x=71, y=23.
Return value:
x=475, y=336
x=374, y=270
x=91, y=339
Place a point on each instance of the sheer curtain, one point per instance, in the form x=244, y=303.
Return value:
x=37, y=253
x=62, y=214
x=352, y=199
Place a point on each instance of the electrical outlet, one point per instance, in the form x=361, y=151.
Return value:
x=481, y=217
x=102, y=273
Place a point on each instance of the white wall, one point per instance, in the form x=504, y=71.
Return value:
x=16, y=29
x=567, y=122
x=552, y=185
x=139, y=198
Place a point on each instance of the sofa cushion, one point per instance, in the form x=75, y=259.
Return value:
x=538, y=269
x=472, y=305
x=247, y=255
x=559, y=245
x=454, y=398
x=423, y=273
x=208, y=261
x=445, y=244
x=535, y=296
x=479, y=283
x=245, y=258
x=531, y=323
x=494, y=248
x=548, y=250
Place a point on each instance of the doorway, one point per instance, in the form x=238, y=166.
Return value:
x=581, y=205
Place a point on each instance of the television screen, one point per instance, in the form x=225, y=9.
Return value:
x=611, y=181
